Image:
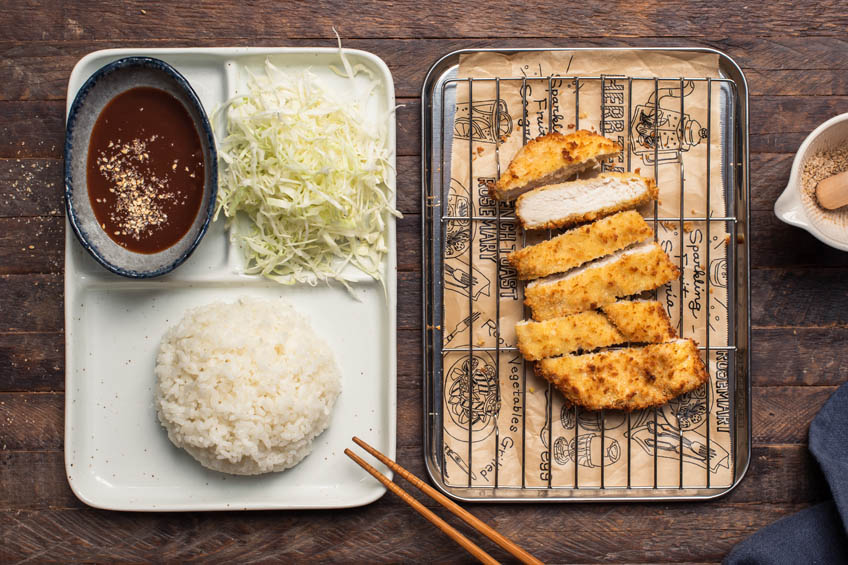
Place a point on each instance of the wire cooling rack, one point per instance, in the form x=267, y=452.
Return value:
x=442, y=127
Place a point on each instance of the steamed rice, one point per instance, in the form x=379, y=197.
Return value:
x=245, y=387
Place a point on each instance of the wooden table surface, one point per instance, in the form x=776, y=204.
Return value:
x=794, y=57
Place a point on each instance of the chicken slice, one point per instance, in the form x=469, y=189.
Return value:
x=584, y=331
x=580, y=245
x=632, y=378
x=640, y=321
x=552, y=158
x=630, y=271
x=568, y=203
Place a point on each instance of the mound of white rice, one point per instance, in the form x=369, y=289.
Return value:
x=245, y=387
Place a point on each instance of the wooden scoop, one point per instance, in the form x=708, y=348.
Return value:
x=832, y=192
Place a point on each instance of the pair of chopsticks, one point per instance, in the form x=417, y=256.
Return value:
x=457, y=510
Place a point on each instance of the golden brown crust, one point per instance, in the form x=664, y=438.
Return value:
x=648, y=195
x=552, y=158
x=585, y=331
x=580, y=245
x=597, y=286
x=627, y=379
x=641, y=321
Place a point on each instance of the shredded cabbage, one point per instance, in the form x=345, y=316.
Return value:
x=310, y=173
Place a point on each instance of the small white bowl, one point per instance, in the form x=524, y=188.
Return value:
x=789, y=207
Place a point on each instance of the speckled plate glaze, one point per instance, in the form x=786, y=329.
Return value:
x=117, y=455
x=100, y=88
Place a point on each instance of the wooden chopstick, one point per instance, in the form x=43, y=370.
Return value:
x=470, y=519
x=454, y=534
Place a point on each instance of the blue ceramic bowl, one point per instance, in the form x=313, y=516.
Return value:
x=106, y=83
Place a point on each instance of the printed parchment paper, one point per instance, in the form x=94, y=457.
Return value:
x=499, y=417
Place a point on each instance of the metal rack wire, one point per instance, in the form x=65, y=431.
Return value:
x=728, y=222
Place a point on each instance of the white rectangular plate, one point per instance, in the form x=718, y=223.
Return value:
x=117, y=455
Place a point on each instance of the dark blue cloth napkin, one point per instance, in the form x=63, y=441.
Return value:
x=817, y=534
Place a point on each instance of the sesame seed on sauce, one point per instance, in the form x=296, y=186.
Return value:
x=141, y=199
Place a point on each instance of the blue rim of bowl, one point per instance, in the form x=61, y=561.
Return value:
x=145, y=62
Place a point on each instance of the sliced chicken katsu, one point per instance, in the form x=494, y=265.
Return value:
x=584, y=331
x=580, y=245
x=550, y=159
x=640, y=321
x=572, y=202
x=637, y=321
x=630, y=271
x=627, y=379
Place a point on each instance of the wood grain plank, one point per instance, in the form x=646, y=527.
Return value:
x=798, y=297
x=32, y=129
x=774, y=66
x=804, y=82
x=91, y=535
x=31, y=187
x=597, y=534
x=139, y=20
x=808, y=357
x=32, y=362
x=32, y=422
x=408, y=243
x=769, y=175
x=783, y=414
x=32, y=245
x=785, y=474
x=779, y=245
x=31, y=303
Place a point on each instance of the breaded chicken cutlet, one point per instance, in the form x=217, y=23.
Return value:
x=580, y=245
x=552, y=158
x=573, y=202
x=584, y=331
x=641, y=321
x=627, y=379
x=630, y=271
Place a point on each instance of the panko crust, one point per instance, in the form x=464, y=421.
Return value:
x=580, y=245
x=552, y=158
x=628, y=379
x=598, y=286
x=641, y=321
x=585, y=331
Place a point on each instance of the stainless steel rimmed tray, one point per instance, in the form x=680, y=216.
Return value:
x=439, y=111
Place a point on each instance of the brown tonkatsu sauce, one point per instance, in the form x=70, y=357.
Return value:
x=145, y=170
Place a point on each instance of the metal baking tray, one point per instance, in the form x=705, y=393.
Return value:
x=438, y=109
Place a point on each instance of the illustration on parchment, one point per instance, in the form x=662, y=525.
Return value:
x=460, y=279
x=459, y=234
x=678, y=432
x=471, y=396
x=658, y=129
x=590, y=449
x=718, y=272
x=460, y=462
x=461, y=327
x=478, y=121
